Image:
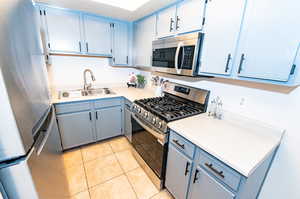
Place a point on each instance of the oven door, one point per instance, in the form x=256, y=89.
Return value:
x=150, y=145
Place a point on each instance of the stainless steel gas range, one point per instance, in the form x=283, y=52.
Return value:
x=149, y=119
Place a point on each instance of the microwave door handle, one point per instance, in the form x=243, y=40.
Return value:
x=180, y=44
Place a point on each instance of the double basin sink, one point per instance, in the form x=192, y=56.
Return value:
x=90, y=92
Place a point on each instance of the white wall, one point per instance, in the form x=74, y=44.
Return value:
x=274, y=108
x=67, y=72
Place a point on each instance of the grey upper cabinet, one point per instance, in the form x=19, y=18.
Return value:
x=108, y=122
x=269, y=39
x=178, y=173
x=63, y=28
x=205, y=186
x=98, y=35
x=143, y=34
x=120, y=43
x=76, y=129
x=222, y=27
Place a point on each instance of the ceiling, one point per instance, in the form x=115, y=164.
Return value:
x=110, y=11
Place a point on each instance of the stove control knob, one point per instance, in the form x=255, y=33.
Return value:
x=139, y=110
x=153, y=120
x=146, y=114
x=159, y=124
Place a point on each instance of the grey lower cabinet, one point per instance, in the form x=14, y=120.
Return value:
x=193, y=173
x=127, y=120
x=178, y=173
x=205, y=186
x=108, y=122
x=76, y=129
x=86, y=122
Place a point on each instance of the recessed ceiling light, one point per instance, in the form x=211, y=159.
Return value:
x=130, y=5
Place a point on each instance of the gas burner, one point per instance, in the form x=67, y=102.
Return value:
x=178, y=102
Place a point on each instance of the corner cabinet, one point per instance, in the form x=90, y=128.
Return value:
x=269, y=40
x=86, y=122
x=144, y=33
x=192, y=173
x=63, y=28
x=120, y=43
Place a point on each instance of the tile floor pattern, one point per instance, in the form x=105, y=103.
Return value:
x=107, y=170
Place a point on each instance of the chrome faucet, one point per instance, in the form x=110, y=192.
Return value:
x=87, y=86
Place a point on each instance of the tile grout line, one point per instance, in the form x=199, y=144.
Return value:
x=135, y=193
x=86, y=179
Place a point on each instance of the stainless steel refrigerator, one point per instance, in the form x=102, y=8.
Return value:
x=31, y=165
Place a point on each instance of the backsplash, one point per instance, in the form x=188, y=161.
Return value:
x=67, y=72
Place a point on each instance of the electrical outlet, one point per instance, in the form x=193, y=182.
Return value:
x=242, y=102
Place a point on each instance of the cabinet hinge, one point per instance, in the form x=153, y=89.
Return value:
x=293, y=69
x=203, y=21
x=45, y=12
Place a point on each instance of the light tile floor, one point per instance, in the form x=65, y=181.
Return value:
x=107, y=170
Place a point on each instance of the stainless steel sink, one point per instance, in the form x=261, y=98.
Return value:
x=89, y=92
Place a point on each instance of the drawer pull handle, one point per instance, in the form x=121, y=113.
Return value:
x=178, y=144
x=195, y=176
x=219, y=173
x=96, y=115
x=187, y=168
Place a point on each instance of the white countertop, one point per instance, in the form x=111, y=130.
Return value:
x=241, y=143
x=129, y=93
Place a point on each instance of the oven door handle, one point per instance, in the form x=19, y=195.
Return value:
x=160, y=137
x=180, y=44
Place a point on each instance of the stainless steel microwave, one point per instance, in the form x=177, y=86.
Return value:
x=177, y=55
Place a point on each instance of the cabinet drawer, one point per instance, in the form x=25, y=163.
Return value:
x=107, y=103
x=72, y=107
x=220, y=170
x=182, y=144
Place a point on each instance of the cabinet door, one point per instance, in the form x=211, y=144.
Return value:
x=178, y=173
x=205, y=186
x=166, y=22
x=63, y=30
x=75, y=129
x=222, y=27
x=127, y=123
x=269, y=39
x=98, y=35
x=109, y=122
x=120, y=50
x=144, y=34
x=190, y=15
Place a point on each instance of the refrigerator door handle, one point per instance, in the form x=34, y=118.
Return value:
x=46, y=133
x=3, y=194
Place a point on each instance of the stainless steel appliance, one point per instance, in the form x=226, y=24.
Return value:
x=178, y=55
x=30, y=142
x=149, y=121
